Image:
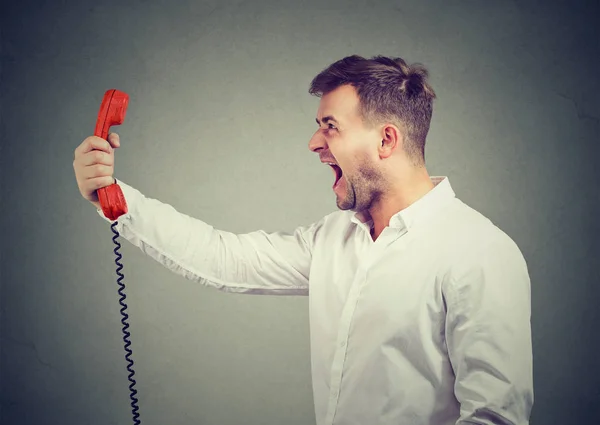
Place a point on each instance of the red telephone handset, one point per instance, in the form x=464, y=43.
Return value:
x=112, y=112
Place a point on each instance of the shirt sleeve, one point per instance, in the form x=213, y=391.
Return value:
x=275, y=263
x=488, y=335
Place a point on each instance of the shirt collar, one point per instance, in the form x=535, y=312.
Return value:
x=429, y=203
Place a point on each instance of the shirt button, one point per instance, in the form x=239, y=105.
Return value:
x=343, y=344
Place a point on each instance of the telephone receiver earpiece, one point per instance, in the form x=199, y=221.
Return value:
x=112, y=112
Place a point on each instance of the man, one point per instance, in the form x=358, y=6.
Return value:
x=419, y=305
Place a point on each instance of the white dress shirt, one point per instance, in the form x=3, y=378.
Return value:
x=428, y=325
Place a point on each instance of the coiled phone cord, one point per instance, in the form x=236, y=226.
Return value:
x=126, y=334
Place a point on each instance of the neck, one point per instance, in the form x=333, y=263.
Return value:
x=405, y=190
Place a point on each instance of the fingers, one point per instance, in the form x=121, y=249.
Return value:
x=97, y=143
x=94, y=164
x=92, y=143
x=97, y=170
x=94, y=150
x=97, y=157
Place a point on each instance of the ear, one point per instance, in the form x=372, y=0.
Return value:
x=391, y=140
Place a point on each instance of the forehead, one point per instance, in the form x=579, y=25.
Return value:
x=342, y=103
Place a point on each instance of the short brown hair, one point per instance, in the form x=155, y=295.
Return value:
x=389, y=91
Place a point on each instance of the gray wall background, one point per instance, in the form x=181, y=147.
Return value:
x=218, y=126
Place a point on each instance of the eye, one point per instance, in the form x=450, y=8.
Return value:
x=331, y=126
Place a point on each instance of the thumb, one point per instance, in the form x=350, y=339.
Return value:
x=114, y=140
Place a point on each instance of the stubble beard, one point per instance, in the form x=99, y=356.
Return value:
x=363, y=189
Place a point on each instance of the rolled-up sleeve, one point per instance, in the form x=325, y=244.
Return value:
x=258, y=262
x=488, y=335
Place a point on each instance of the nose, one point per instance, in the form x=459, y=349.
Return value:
x=317, y=141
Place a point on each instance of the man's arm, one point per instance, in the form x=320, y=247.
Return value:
x=488, y=335
x=275, y=263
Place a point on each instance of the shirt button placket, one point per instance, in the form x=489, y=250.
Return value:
x=343, y=335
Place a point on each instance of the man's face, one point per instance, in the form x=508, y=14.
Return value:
x=342, y=138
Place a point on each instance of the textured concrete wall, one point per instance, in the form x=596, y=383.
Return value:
x=218, y=126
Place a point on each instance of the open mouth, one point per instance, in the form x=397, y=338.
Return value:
x=338, y=173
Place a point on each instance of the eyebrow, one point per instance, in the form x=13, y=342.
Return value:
x=327, y=118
